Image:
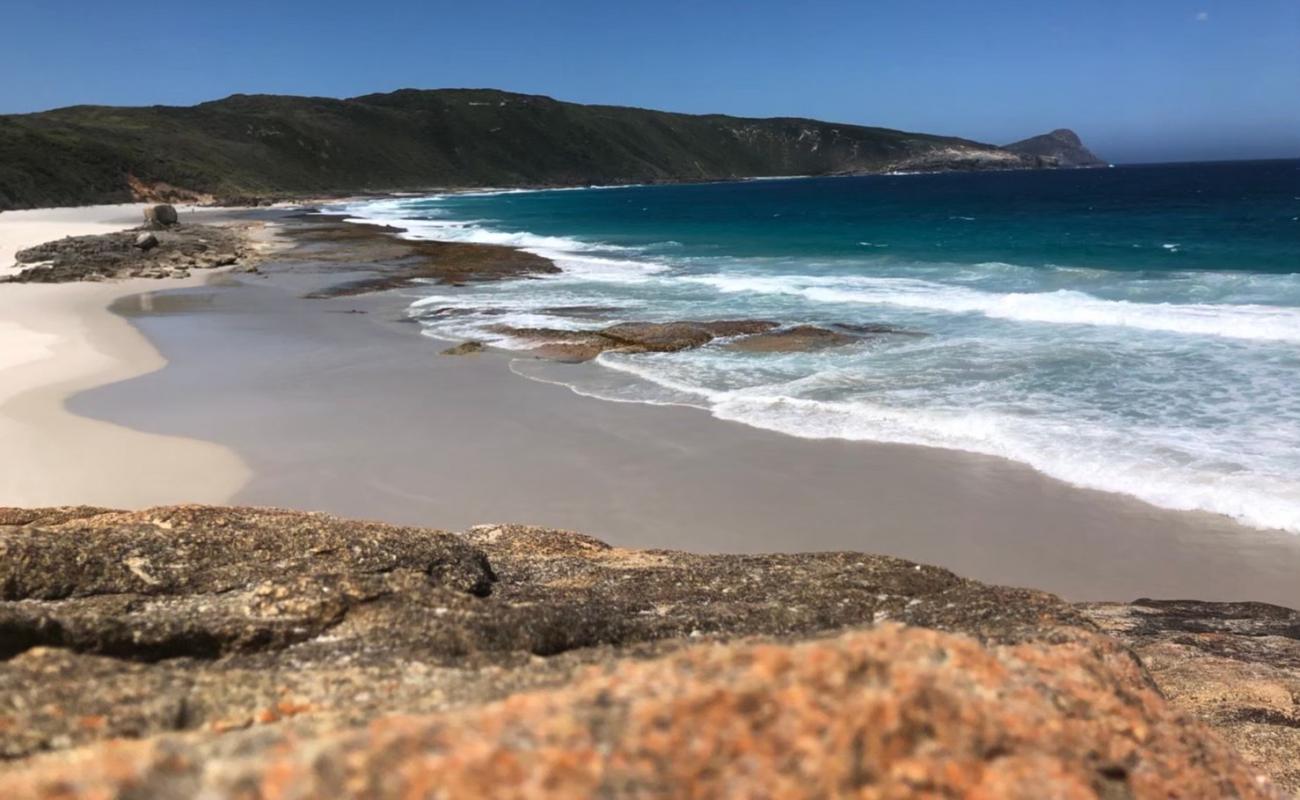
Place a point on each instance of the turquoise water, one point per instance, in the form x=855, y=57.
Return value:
x=1133, y=329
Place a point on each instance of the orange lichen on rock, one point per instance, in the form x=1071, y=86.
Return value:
x=891, y=712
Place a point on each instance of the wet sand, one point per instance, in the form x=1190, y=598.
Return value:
x=357, y=414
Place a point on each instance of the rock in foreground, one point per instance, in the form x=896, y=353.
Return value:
x=188, y=651
x=891, y=712
x=1233, y=665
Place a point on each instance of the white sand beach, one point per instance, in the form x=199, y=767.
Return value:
x=58, y=339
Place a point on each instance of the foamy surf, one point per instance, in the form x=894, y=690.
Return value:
x=1061, y=307
x=1152, y=377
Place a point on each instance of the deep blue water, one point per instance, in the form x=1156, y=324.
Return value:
x=1132, y=329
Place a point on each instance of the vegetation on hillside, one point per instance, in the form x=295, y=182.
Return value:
x=268, y=145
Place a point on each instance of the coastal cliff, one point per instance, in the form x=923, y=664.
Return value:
x=250, y=147
x=185, y=651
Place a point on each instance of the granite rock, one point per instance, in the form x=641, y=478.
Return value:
x=184, y=651
x=1233, y=665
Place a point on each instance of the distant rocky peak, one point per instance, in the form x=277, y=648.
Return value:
x=1061, y=145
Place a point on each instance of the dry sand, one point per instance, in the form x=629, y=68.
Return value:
x=56, y=340
x=357, y=414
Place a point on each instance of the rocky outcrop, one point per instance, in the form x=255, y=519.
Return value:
x=192, y=651
x=1233, y=665
x=161, y=252
x=1061, y=147
x=800, y=338
x=397, y=262
x=749, y=335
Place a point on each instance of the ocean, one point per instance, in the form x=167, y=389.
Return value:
x=1133, y=329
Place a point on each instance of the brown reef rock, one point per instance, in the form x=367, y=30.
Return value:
x=753, y=335
x=464, y=349
x=154, y=251
x=394, y=262
x=235, y=652
x=800, y=338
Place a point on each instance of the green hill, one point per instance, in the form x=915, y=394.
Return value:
x=266, y=145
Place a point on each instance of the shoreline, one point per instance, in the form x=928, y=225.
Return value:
x=1118, y=471
x=61, y=339
x=241, y=390
x=335, y=405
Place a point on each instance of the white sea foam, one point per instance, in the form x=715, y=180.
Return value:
x=1066, y=307
x=1069, y=450
x=975, y=385
x=577, y=259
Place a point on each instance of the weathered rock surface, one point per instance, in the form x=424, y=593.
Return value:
x=464, y=349
x=180, y=651
x=162, y=215
x=1233, y=665
x=670, y=337
x=169, y=251
x=892, y=712
x=397, y=262
x=800, y=338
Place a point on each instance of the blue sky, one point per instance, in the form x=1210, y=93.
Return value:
x=1140, y=80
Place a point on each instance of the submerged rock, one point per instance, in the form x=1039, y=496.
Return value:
x=464, y=349
x=801, y=338
x=657, y=337
x=753, y=335
x=589, y=311
x=254, y=652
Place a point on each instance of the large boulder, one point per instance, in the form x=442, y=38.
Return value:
x=161, y=215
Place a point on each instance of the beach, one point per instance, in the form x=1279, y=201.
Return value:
x=59, y=339
x=207, y=616
x=230, y=388
x=340, y=405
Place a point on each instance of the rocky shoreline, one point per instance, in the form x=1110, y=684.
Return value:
x=205, y=651
x=194, y=650
x=396, y=263
x=162, y=247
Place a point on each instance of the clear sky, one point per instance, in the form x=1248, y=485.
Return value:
x=1140, y=80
